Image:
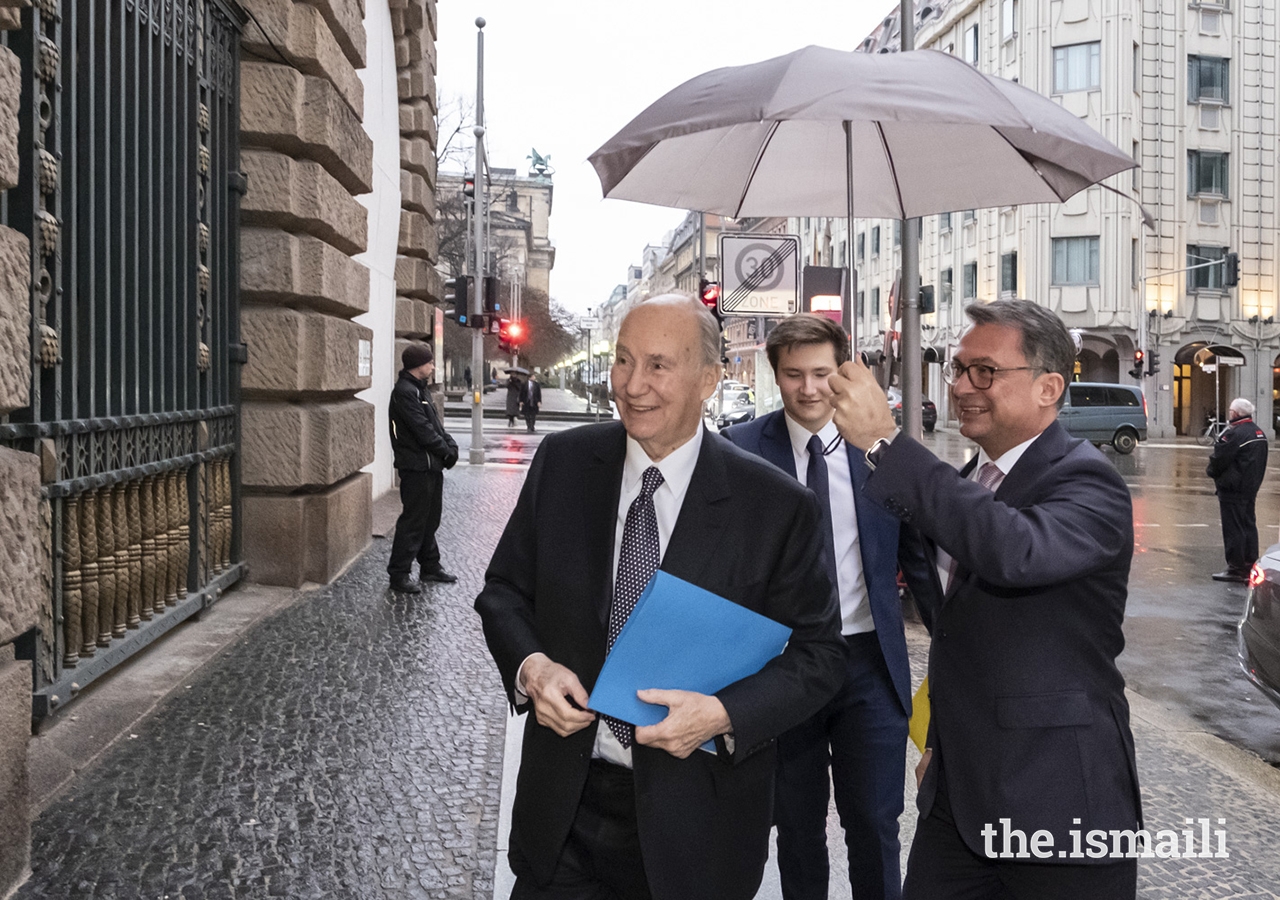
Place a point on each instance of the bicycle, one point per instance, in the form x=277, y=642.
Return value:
x=1212, y=431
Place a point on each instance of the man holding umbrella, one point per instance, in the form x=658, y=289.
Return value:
x=515, y=390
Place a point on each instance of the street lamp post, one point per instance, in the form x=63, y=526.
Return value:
x=910, y=344
x=477, y=299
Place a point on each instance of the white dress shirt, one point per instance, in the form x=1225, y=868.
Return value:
x=855, y=607
x=677, y=470
x=1005, y=464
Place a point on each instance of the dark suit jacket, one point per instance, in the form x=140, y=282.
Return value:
x=877, y=539
x=746, y=532
x=1029, y=719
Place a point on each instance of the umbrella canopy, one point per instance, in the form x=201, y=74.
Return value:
x=516, y=370
x=930, y=133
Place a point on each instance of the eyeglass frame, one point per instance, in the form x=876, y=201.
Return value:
x=955, y=376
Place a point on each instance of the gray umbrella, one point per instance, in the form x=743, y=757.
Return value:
x=926, y=133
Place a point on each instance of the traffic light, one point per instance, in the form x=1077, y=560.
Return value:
x=1138, y=357
x=511, y=335
x=709, y=294
x=1153, y=361
x=724, y=348
x=491, y=305
x=457, y=294
x=469, y=186
x=1231, y=273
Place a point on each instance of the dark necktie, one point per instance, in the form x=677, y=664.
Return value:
x=816, y=480
x=637, y=561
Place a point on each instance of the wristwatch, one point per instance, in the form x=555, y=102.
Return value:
x=876, y=450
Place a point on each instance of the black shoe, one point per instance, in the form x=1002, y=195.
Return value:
x=405, y=585
x=1235, y=577
x=439, y=575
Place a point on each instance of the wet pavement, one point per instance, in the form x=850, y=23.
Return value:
x=351, y=746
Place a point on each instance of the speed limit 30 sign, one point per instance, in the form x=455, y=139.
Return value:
x=759, y=274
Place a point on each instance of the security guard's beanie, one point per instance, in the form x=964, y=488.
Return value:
x=416, y=355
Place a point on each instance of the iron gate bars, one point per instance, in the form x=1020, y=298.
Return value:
x=130, y=195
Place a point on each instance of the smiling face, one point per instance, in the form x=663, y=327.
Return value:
x=660, y=379
x=1018, y=405
x=802, y=373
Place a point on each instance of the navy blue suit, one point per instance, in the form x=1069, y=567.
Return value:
x=861, y=734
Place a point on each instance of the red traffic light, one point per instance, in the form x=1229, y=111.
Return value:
x=709, y=294
x=1138, y=356
x=515, y=332
x=469, y=186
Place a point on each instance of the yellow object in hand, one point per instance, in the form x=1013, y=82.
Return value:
x=918, y=727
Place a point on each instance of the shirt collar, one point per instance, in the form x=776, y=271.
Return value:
x=1008, y=459
x=676, y=467
x=800, y=435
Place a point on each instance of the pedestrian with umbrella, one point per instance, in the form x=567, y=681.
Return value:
x=515, y=391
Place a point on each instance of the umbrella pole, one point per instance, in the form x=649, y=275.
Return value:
x=850, y=306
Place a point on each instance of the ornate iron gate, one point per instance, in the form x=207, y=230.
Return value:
x=129, y=192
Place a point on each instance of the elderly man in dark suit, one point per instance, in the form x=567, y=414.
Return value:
x=861, y=734
x=603, y=810
x=1020, y=565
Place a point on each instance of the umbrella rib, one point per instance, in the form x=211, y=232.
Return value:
x=746, y=185
x=893, y=172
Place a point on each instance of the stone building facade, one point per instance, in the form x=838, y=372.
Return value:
x=1189, y=89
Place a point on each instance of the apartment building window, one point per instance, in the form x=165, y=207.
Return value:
x=1208, y=79
x=944, y=287
x=1008, y=19
x=1135, y=264
x=897, y=232
x=1009, y=273
x=1077, y=67
x=969, y=215
x=1137, y=68
x=875, y=241
x=875, y=301
x=862, y=246
x=1206, y=173
x=971, y=45
x=970, y=281
x=944, y=222
x=1136, y=171
x=1075, y=260
x=1210, y=277
x=862, y=303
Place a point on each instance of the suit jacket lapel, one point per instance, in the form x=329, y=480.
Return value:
x=961, y=573
x=601, y=489
x=775, y=443
x=697, y=531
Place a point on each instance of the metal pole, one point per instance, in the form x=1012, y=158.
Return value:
x=910, y=344
x=477, y=299
x=851, y=321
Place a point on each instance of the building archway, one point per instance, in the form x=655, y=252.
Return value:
x=1194, y=389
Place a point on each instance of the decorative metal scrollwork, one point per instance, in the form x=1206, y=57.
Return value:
x=47, y=61
x=48, y=172
x=50, y=232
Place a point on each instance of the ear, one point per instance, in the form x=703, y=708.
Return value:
x=709, y=381
x=1050, y=386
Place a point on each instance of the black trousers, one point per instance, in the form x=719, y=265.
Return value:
x=1239, y=533
x=942, y=867
x=530, y=416
x=601, y=858
x=415, y=538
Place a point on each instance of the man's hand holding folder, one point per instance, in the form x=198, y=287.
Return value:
x=692, y=720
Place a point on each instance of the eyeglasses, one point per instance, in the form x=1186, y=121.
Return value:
x=981, y=376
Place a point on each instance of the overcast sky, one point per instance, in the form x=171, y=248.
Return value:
x=563, y=76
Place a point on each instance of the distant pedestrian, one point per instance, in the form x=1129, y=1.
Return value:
x=493, y=374
x=530, y=401
x=515, y=390
x=1238, y=463
x=466, y=376
x=423, y=450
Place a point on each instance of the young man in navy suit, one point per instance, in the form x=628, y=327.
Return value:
x=1020, y=565
x=861, y=734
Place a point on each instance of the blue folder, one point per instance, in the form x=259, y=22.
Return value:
x=681, y=637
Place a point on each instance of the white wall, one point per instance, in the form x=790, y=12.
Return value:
x=382, y=124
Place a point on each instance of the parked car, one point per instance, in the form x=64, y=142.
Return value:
x=928, y=411
x=1114, y=414
x=1258, y=635
x=739, y=407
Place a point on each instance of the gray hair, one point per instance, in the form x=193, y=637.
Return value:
x=708, y=327
x=1046, y=343
x=1243, y=407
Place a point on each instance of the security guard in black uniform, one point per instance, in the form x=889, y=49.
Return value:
x=423, y=450
x=1237, y=465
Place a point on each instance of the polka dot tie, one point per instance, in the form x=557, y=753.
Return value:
x=637, y=561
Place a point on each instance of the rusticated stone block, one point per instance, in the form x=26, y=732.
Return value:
x=10, y=93
x=417, y=278
x=417, y=155
x=414, y=318
x=418, y=120
x=416, y=194
x=304, y=36
x=15, y=320
x=22, y=561
x=304, y=116
x=15, y=734
x=411, y=48
x=295, y=445
x=346, y=21
x=301, y=270
x=407, y=20
x=429, y=8
x=416, y=235
x=301, y=352
x=294, y=538
x=299, y=195
x=417, y=82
